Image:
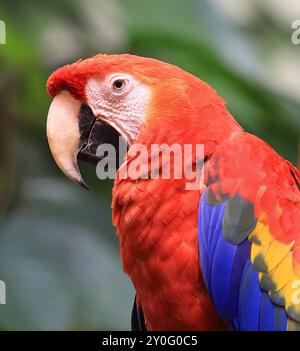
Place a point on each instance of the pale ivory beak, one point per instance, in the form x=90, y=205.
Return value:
x=64, y=135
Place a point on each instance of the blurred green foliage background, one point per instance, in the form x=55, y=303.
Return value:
x=58, y=251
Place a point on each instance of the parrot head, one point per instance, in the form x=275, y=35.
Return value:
x=101, y=98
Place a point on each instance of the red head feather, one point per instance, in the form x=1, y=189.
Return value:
x=183, y=107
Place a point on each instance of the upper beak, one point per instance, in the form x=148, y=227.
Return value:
x=73, y=132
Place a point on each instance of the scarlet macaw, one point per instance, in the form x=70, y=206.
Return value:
x=227, y=256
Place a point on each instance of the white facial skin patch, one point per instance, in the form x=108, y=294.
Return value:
x=121, y=101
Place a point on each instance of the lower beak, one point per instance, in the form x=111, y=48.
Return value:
x=73, y=132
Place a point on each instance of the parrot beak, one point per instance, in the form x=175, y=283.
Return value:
x=74, y=133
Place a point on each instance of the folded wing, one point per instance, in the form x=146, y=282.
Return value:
x=249, y=236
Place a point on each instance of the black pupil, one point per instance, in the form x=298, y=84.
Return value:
x=118, y=84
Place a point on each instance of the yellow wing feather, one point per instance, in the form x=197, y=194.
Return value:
x=274, y=262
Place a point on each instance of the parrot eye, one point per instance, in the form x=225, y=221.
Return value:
x=120, y=85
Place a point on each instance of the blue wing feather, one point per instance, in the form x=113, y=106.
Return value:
x=240, y=261
x=222, y=265
x=267, y=308
x=249, y=299
x=280, y=318
x=228, y=273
